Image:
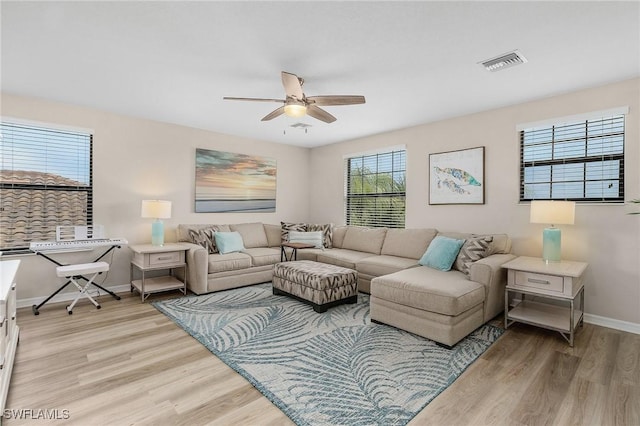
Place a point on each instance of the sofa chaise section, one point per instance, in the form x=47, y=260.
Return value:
x=443, y=306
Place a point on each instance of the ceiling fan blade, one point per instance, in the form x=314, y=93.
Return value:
x=229, y=98
x=336, y=100
x=273, y=114
x=292, y=85
x=320, y=114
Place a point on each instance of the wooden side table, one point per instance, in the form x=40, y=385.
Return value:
x=147, y=257
x=560, y=281
x=294, y=250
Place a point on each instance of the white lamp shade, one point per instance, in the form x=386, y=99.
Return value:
x=156, y=209
x=553, y=212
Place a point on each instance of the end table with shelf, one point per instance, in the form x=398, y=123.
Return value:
x=284, y=257
x=561, y=282
x=147, y=257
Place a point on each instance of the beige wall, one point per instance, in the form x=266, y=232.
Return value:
x=604, y=235
x=137, y=159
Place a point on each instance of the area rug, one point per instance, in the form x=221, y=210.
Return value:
x=334, y=368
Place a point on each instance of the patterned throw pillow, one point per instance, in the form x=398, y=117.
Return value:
x=474, y=249
x=327, y=232
x=205, y=238
x=287, y=226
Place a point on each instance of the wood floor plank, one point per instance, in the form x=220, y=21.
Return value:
x=127, y=364
x=543, y=397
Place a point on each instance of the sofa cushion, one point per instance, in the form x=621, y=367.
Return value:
x=473, y=249
x=501, y=244
x=442, y=252
x=446, y=293
x=411, y=243
x=338, y=235
x=364, y=239
x=261, y=256
x=273, y=234
x=228, y=242
x=309, y=254
x=342, y=257
x=290, y=226
x=376, y=266
x=228, y=262
x=315, y=238
x=253, y=234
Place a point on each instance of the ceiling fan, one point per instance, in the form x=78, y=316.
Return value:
x=297, y=104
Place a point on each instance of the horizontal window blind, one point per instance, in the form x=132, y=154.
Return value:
x=45, y=181
x=375, y=187
x=581, y=161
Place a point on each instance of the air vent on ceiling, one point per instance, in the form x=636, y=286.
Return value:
x=504, y=61
x=300, y=125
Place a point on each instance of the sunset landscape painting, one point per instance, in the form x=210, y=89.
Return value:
x=227, y=182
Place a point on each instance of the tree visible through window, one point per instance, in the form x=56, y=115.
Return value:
x=375, y=187
x=582, y=161
x=45, y=181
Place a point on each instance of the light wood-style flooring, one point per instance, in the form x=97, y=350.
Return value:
x=128, y=364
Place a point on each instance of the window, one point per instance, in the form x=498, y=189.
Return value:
x=580, y=161
x=45, y=181
x=375, y=187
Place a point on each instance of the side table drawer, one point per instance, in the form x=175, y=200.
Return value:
x=157, y=259
x=539, y=281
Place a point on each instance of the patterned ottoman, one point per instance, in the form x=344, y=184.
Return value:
x=319, y=284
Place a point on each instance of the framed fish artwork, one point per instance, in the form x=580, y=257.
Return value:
x=457, y=177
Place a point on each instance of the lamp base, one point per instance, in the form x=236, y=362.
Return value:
x=157, y=233
x=551, y=244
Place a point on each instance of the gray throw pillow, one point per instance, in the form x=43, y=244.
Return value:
x=289, y=226
x=327, y=232
x=205, y=238
x=474, y=249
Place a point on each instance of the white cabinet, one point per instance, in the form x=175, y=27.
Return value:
x=9, y=332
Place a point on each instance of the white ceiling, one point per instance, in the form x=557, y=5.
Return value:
x=415, y=62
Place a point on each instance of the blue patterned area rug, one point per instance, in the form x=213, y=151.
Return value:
x=334, y=368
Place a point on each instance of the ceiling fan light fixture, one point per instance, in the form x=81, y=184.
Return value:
x=295, y=110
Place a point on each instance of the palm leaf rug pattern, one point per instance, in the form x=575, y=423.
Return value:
x=334, y=368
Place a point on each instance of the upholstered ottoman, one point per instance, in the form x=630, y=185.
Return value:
x=319, y=284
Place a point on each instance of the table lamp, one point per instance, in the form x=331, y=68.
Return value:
x=552, y=213
x=158, y=210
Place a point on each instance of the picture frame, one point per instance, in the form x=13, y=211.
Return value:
x=228, y=182
x=457, y=177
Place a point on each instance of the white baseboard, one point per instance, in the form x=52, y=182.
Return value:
x=630, y=327
x=65, y=297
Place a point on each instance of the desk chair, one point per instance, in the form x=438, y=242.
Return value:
x=74, y=272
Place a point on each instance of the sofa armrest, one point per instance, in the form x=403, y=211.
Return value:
x=197, y=267
x=493, y=277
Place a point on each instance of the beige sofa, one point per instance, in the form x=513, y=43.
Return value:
x=208, y=272
x=442, y=306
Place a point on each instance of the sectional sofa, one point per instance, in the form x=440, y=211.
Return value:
x=444, y=306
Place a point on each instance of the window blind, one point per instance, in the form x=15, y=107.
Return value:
x=375, y=187
x=580, y=161
x=45, y=181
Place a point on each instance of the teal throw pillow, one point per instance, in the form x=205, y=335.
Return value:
x=228, y=242
x=441, y=253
